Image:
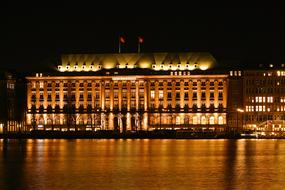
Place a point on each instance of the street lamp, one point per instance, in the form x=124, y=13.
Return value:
x=240, y=111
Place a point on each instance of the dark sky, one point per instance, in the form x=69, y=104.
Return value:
x=35, y=35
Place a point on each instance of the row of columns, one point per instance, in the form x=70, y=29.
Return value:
x=146, y=94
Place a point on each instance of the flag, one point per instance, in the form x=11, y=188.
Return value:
x=122, y=39
x=140, y=40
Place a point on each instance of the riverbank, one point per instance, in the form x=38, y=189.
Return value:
x=158, y=134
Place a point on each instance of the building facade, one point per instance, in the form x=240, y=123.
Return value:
x=264, y=98
x=13, y=98
x=129, y=92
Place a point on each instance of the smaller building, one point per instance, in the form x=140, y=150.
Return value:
x=264, y=98
x=13, y=98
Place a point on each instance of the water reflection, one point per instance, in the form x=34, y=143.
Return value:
x=142, y=164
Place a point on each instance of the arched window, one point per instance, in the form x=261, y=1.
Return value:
x=220, y=120
x=151, y=120
x=41, y=121
x=89, y=120
x=49, y=121
x=178, y=120
x=186, y=119
x=81, y=121
x=57, y=121
x=169, y=119
x=195, y=120
x=212, y=120
x=203, y=120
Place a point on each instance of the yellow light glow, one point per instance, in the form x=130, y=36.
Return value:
x=204, y=67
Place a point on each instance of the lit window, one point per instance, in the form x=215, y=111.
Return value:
x=239, y=73
x=212, y=120
x=231, y=73
x=10, y=86
x=195, y=120
x=160, y=94
x=235, y=73
x=152, y=94
x=271, y=65
x=278, y=73
x=203, y=120
x=263, y=99
x=41, y=84
x=263, y=108
x=220, y=120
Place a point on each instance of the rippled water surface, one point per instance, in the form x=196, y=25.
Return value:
x=142, y=164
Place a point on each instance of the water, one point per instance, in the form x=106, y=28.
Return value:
x=142, y=164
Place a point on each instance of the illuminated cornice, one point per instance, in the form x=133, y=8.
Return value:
x=155, y=61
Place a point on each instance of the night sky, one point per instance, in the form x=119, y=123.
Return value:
x=248, y=33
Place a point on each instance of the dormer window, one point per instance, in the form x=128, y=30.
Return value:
x=100, y=66
x=92, y=66
x=153, y=66
x=117, y=65
x=76, y=66
x=126, y=66
x=68, y=66
x=84, y=66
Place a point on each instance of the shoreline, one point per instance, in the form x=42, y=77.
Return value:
x=161, y=134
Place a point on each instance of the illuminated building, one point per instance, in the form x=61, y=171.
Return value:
x=12, y=96
x=264, y=98
x=129, y=92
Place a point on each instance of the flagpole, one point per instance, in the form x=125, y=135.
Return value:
x=119, y=45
